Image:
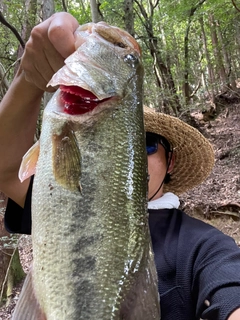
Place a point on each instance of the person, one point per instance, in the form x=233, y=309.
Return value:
x=197, y=265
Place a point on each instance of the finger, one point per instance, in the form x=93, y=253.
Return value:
x=56, y=45
x=36, y=67
x=50, y=43
x=42, y=50
x=61, y=33
x=38, y=80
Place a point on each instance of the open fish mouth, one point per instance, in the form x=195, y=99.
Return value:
x=77, y=100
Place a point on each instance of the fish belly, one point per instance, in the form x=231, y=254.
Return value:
x=92, y=249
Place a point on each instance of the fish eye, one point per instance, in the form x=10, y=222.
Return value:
x=130, y=58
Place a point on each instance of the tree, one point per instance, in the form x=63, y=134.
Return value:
x=186, y=51
x=162, y=71
x=189, y=53
x=209, y=65
x=11, y=271
x=129, y=16
x=96, y=14
x=216, y=51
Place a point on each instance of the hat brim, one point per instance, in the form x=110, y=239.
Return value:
x=194, y=155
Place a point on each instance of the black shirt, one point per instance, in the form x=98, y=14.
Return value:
x=198, y=266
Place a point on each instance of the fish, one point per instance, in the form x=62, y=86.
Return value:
x=92, y=251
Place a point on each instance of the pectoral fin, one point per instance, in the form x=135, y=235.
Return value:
x=66, y=159
x=29, y=162
x=27, y=307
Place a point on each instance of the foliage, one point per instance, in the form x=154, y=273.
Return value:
x=179, y=32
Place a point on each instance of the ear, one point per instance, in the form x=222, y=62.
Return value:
x=172, y=162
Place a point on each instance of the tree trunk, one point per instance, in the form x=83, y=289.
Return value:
x=27, y=25
x=96, y=16
x=230, y=78
x=165, y=80
x=48, y=9
x=186, y=52
x=13, y=276
x=11, y=272
x=186, y=65
x=210, y=72
x=217, y=52
x=129, y=17
x=176, y=61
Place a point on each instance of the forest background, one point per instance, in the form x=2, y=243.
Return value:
x=190, y=48
x=191, y=52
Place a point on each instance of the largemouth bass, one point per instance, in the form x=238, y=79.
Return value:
x=92, y=255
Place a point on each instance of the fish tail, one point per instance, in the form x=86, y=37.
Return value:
x=28, y=307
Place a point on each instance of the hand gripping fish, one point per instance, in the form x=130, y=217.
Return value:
x=92, y=255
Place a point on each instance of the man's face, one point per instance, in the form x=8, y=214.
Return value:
x=157, y=170
x=157, y=166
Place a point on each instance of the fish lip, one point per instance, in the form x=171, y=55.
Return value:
x=79, y=91
x=76, y=100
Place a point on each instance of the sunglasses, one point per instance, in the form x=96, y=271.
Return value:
x=152, y=141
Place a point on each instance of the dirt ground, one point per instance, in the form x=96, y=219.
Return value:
x=216, y=201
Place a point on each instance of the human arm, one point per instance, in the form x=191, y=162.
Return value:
x=49, y=44
x=216, y=276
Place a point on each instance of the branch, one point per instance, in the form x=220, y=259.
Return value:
x=193, y=9
x=4, y=79
x=234, y=4
x=196, y=89
x=14, y=30
x=142, y=9
x=156, y=4
x=64, y=6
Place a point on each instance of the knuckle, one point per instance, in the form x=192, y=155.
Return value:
x=55, y=32
x=36, y=32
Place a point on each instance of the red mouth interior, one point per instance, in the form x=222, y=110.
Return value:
x=77, y=100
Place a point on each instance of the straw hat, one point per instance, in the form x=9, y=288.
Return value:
x=194, y=155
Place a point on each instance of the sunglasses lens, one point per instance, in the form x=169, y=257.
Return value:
x=151, y=143
x=151, y=149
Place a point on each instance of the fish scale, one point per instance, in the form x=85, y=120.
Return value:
x=92, y=255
